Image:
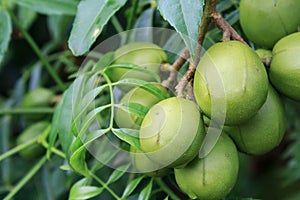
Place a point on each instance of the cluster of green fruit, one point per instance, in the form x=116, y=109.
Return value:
x=38, y=123
x=232, y=90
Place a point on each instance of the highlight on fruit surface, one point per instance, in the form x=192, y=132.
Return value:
x=145, y=55
x=33, y=131
x=172, y=132
x=230, y=83
x=142, y=100
x=264, y=131
x=266, y=21
x=285, y=66
x=143, y=164
x=39, y=97
x=212, y=177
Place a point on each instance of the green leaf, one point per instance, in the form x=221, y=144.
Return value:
x=131, y=136
x=135, y=67
x=89, y=119
x=149, y=87
x=145, y=21
x=146, y=192
x=26, y=16
x=81, y=191
x=135, y=109
x=5, y=33
x=57, y=26
x=91, y=17
x=78, y=163
x=115, y=175
x=131, y=186
x=50, y=7
x=61, y=123
x=105, y=61
x=185, y=17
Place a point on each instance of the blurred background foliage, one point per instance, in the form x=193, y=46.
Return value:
x=275, y=175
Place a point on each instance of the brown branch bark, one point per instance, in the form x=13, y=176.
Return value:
x=226, y=28
x=210, y=8
x=209, y=15
x=174, y=68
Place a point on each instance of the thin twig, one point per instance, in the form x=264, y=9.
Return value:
x=174, y=68
x=226, y=28
x=210, y=8
x=188, y=76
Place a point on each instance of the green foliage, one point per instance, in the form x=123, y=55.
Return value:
x=51, y=7
x=6, y=29
x=185, y=17
x=88, y=25
x=40, y=44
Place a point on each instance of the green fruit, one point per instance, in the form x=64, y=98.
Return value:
x=33, y=131
x=264, y=131
x=172, y=132
x=263, y=53
x=145, y=55
x=266, y=21
x=285, y=66
x=230, y=83
x=143, y=100
x=144, y=165
x=39, y=97
x=212, y=177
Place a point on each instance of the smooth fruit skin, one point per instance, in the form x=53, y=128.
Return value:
x=145, y=55
x=172, y=132
x=285, y=66
x=140, y=96
x=264, y=131
x=33, y=131
x=212, y=177
x=143, y=164
x=264, y=22
x=230, y=83
x=264, y=54
x=39, y=97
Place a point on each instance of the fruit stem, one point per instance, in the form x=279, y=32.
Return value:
x=174, y=68
x=226, y=28
x=209, y=8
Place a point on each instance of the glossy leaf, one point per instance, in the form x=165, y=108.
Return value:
x=57, y=25
x=61, y=123
x=105, y=61
x=131, y=186
x=135, y=109
x=145, y=21
x=26, y=16
x=91, y=17
x=50, y=7
x=77, y=161
x=131, y=136
x=146, y=192
x=185, y=17
x=149, y=87
x=82, y=191
x=5, y=33
x=115, y=175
